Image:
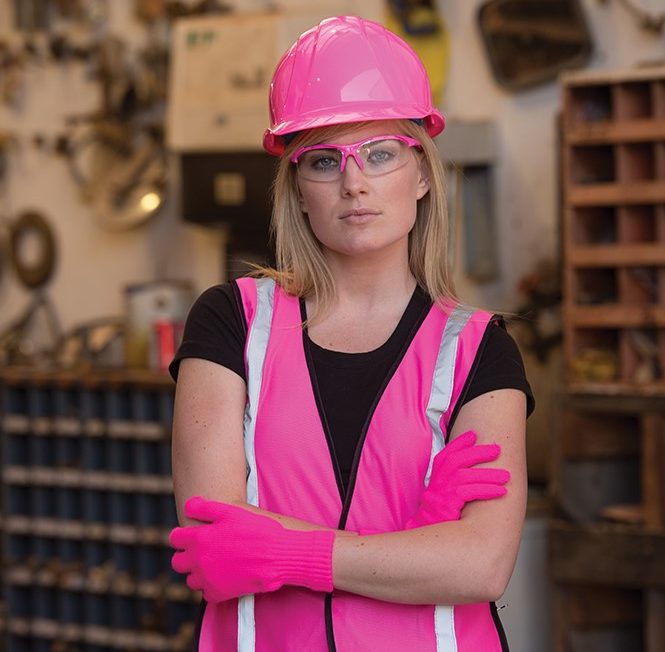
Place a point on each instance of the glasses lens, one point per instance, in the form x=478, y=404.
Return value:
x=378, y=157
x=383, y=156
x=320, y=164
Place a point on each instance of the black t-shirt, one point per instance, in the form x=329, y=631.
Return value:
x=346, y=384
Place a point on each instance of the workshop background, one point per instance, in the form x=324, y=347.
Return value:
x=131, y=179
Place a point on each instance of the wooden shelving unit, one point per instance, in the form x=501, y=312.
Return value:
x=614, y=227
x=86, y=509
x=608, y=463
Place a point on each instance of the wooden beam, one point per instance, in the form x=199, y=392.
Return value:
x=613, y=194
x=606, y=555
x=605, y=132
x=655, y=621
x=617, y=254
x=653, y=470
x=616, y=316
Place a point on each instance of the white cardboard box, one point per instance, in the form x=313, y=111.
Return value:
x=222, y=66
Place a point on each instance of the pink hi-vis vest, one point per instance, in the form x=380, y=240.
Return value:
x=291, y=470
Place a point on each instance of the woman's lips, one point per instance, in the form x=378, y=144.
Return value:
x=359, y=214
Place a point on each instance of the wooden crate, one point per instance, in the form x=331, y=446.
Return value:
x=608, y=458
x=609, y=587
x=613, y=138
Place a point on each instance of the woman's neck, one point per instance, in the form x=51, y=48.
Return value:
x=371, y=280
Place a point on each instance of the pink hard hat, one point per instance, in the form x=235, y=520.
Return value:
x=347, y=69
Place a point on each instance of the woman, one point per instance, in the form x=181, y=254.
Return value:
x=325, y=412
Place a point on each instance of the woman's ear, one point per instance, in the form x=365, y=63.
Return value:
x=423, y=181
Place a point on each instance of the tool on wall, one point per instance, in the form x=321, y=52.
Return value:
x=530, y=42
x=121, y=171
x=421, y=25
x=647, y=19
x=33, y=336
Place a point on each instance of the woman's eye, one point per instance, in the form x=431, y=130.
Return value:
x=322, y=161
x=381, y=153
x=380, y=156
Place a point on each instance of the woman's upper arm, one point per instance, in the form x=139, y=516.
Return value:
x=499, y=417
x=207, y=442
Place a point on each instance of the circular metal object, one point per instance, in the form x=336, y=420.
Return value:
x=32, y=271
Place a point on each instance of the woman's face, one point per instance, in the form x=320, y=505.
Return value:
x=357, y=213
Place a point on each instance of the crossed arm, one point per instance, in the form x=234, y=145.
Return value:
x=456, y=562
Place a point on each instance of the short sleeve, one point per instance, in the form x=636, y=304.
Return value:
x=500, y=366
x=215, y=330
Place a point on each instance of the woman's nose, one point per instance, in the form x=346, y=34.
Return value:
x=353, y=178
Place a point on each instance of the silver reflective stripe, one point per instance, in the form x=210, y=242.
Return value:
x=444, y=375
x=257, y=344
x=439, y=402
x=444, y=628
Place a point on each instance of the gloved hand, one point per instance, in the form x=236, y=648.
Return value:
x=455, y=481
x=236, y=552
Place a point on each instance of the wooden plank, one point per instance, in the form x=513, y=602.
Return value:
x=616, y=316
x=623, y=514
x=655, y=621
x=573, y=78
x=611, y=194
x=653, y=470
x=617, y=254
x=607, y=131
x=615, y=398
x=606, y=555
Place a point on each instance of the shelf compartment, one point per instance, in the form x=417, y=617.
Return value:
x=638, y=224
x=635, y=162
x=591, y=165
x=589, y=105
x=639, y=286
x=594, y=355
x=640, y=356
x=595, y=286
x=594, y=225
x=633, y=100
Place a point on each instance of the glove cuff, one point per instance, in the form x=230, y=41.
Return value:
x=306, y=559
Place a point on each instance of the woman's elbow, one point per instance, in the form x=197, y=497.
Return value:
x=490, y=580
x=497, y=577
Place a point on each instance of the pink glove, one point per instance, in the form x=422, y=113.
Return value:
x=236, y=552
x=455, y=481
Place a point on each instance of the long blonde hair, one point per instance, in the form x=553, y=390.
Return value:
x=301, y=268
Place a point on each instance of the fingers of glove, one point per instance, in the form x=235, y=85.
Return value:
x=181, y=537
x=471, y=492
x=430, y=514
x=482, y=475
x=194, y=582
x=204, y=510
x=461, y=442
x=447, y=462
x=181, y=562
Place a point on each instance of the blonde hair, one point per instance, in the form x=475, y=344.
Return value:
x=301, y=268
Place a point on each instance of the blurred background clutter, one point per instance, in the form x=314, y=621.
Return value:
x=132, y=178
